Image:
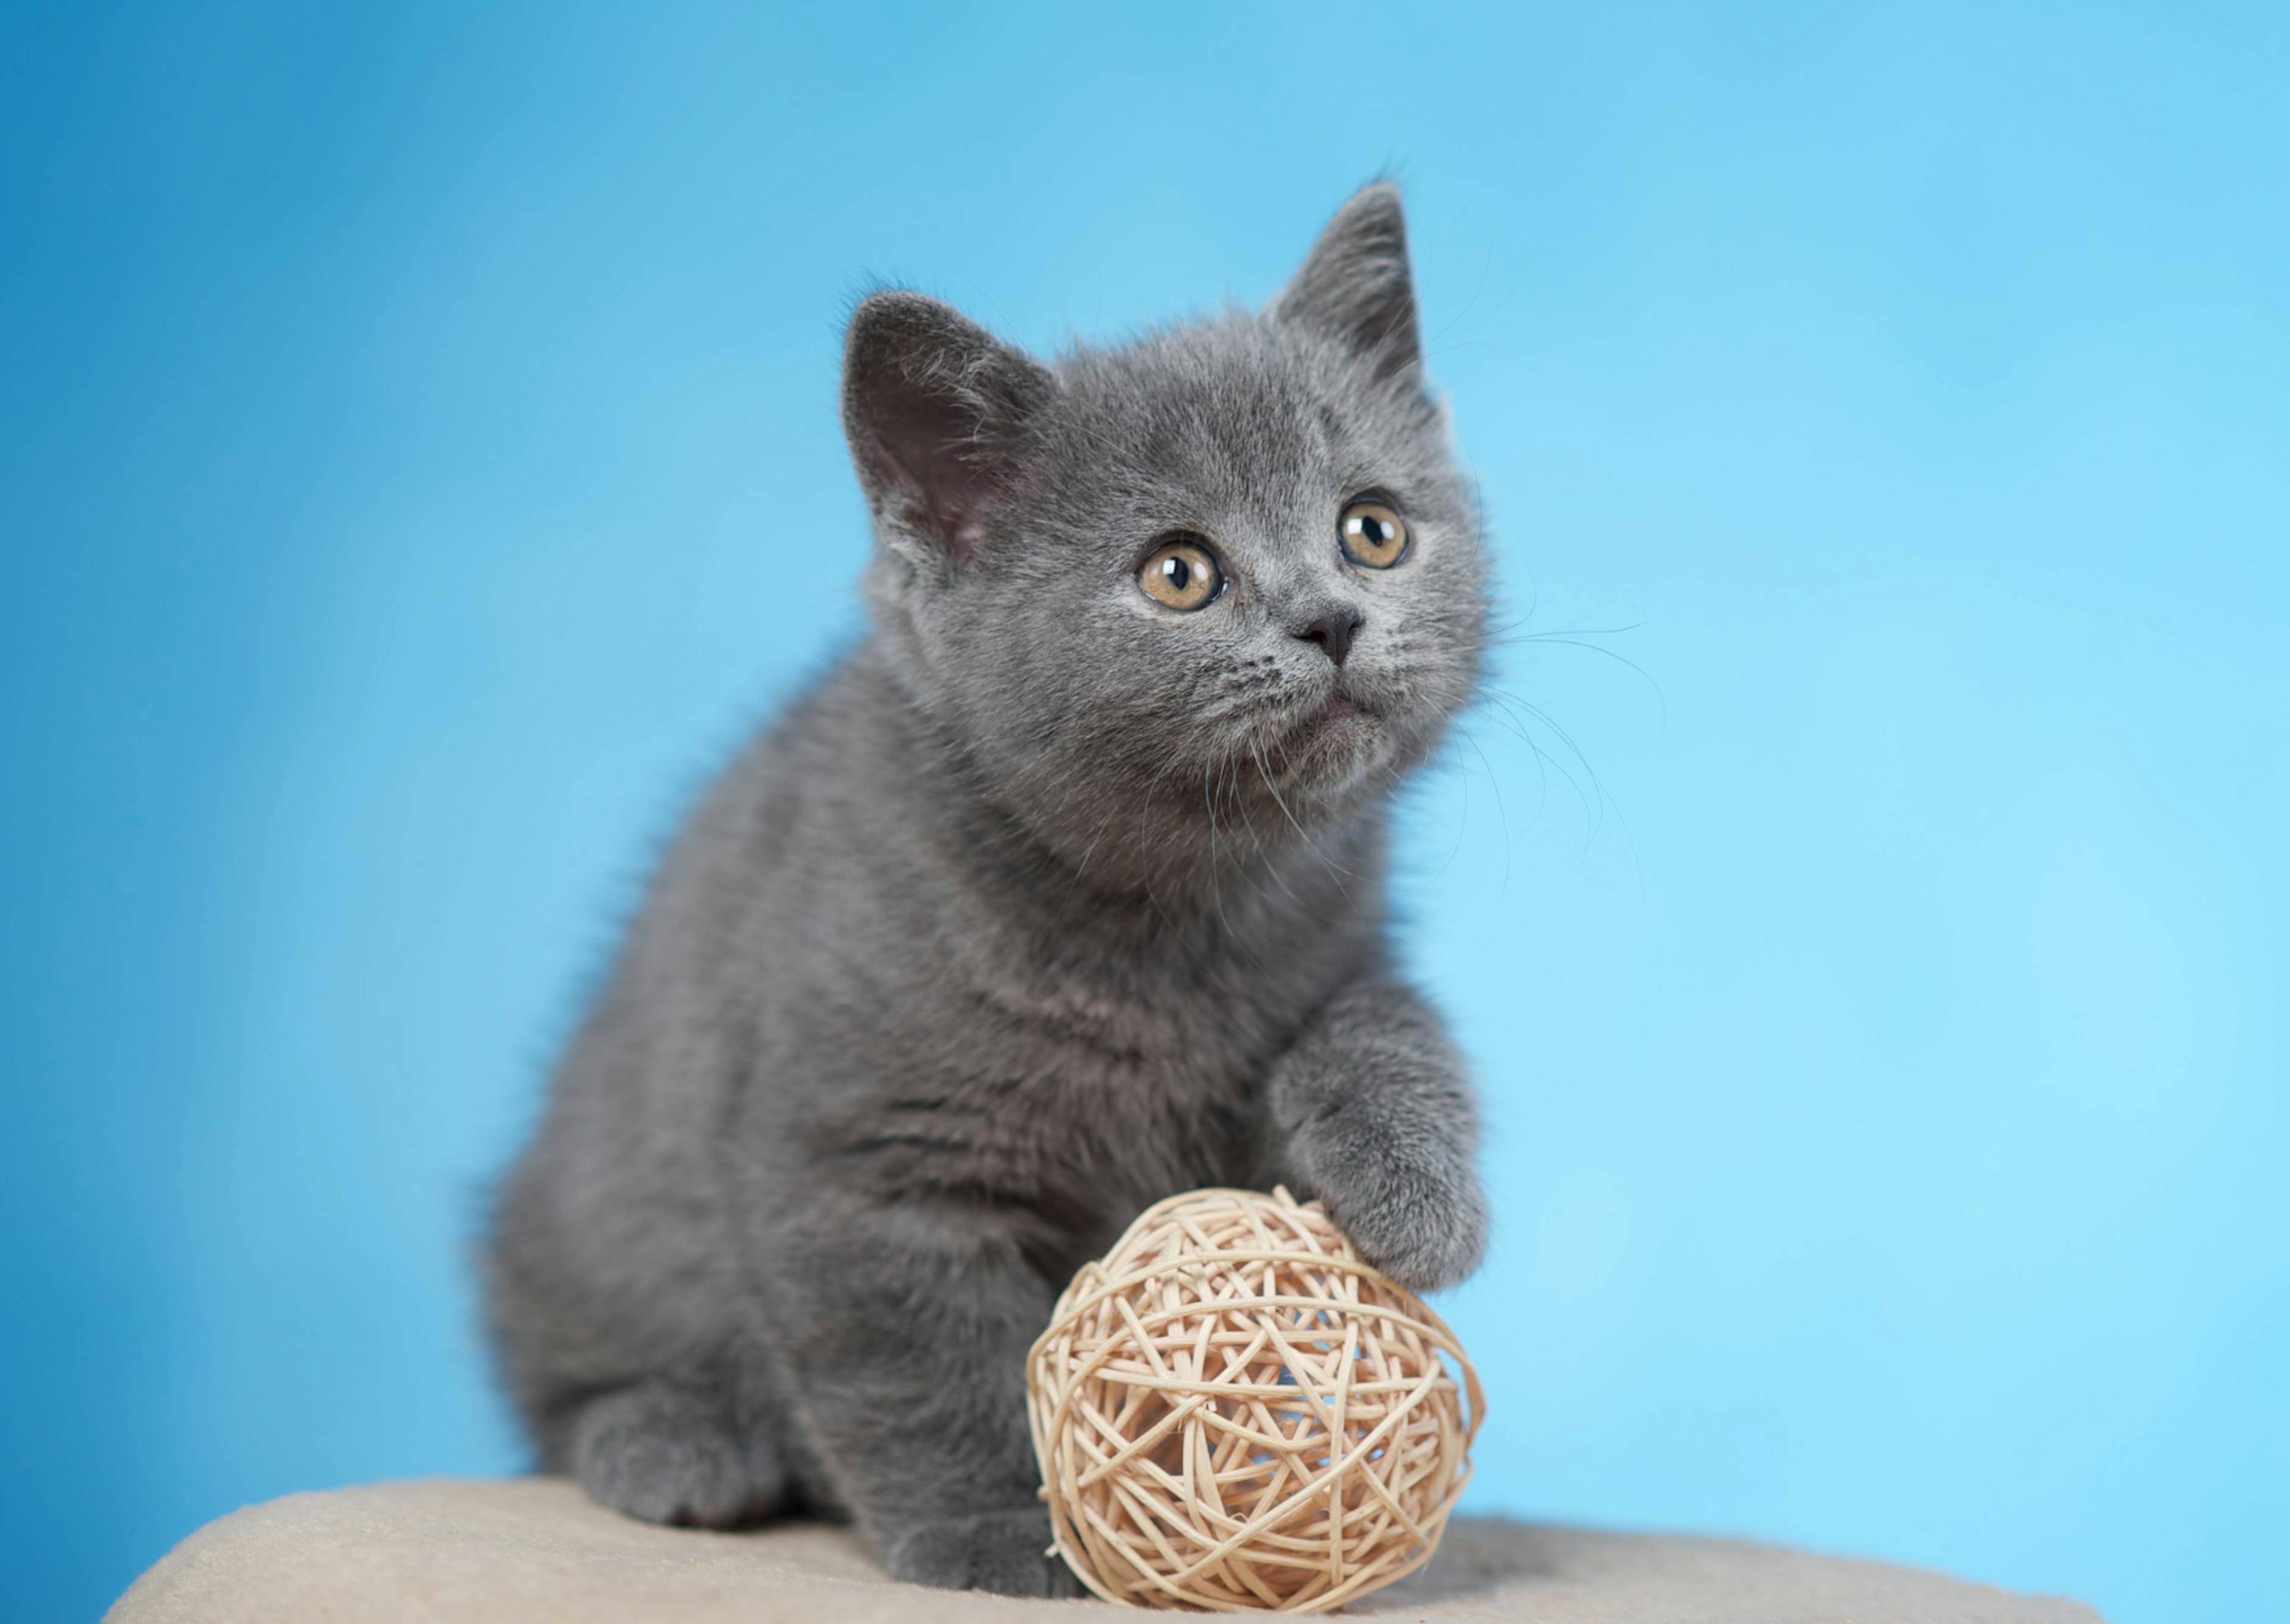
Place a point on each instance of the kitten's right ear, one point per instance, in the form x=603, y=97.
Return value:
x=935, y=409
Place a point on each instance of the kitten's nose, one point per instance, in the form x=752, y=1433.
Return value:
x=1333, y=631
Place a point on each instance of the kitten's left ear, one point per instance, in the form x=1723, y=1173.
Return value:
x=1355, y=286
x=935, y=409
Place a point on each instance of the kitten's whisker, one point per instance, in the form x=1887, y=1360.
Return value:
x=1605, y=800
x=1088, y=851
x=1462, y=825
x=1216, y=880
x=1503, y=816
x=1145, y=810
x=1572, y=640
x=1257, y=756
x=1591, y=812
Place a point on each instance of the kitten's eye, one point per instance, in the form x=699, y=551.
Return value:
x=1180, y=575
x=1373, y=536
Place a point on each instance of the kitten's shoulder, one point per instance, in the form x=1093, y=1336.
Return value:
x=798, y=770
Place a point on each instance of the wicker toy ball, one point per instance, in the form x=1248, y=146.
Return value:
x=1234, y=1412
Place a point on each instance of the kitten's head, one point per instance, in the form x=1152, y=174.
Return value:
x=1208, y=592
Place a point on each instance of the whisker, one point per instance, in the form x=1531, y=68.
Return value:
x=1557, y=639
x=1593, y=808
x=1501, y=817
x=1605, y=799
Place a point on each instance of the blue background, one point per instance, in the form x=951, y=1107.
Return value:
x=417, y=465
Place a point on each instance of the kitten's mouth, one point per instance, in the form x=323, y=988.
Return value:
x=1340, y=722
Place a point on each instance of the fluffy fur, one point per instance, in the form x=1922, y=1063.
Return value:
x=1047, y=902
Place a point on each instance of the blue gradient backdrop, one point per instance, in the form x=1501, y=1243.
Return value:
x=418, y=465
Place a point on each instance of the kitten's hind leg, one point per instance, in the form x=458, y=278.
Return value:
x=670, y=1450
x=907, y=1327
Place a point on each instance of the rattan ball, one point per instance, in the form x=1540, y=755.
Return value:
x=1233, y=1413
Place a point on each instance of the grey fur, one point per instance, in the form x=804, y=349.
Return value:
x=1047, y=902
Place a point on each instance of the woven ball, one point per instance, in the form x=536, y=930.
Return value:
x=1233, y=1412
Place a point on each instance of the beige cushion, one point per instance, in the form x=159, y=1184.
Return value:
x=536, y=1549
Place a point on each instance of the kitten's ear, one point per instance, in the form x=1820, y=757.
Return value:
x=1355, y=286
x=934, y=406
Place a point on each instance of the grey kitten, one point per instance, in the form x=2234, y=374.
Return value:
x=1062, y=893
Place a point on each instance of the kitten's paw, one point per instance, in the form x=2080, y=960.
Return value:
x=1423, y=1230
x=666, y=1454
x=1006, y=1552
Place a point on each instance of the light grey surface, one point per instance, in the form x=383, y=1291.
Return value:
x=447, y=1552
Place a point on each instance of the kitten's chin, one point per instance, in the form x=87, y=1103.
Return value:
x=1334, y=747
x=1337, y=728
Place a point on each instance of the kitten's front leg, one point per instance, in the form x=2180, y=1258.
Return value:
x=1372, y=1114
x=908, y=1328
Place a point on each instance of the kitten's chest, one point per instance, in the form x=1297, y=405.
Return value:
x=1127, y=1080
x=989, y=1037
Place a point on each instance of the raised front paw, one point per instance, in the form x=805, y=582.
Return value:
x=1421, y=1221
x=1005, y=1552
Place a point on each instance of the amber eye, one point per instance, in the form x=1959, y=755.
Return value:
x=1180, y=574
x=1373, y=535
